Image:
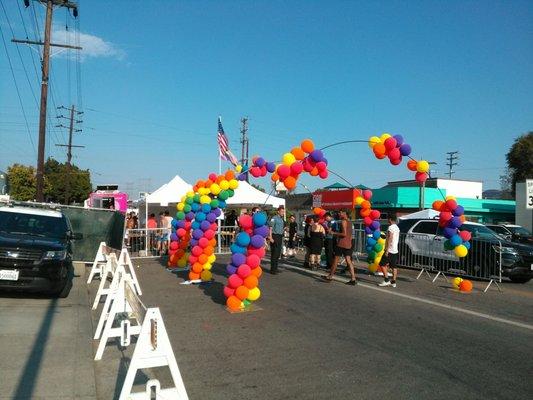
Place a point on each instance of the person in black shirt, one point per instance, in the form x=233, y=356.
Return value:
x=293, y=228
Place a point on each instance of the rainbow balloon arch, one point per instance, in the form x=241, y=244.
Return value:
x=193, y=238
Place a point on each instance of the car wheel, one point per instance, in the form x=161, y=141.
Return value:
x=62, y=290
x=519, y=279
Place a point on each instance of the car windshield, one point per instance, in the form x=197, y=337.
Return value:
x=499, y=229
x=34, y=225
x=479, y=231
x=519, y=230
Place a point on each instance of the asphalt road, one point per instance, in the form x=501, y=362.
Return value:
x=308, y=339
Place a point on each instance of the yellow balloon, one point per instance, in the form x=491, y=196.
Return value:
x=450, y=198
x=180, y=206
x=211, y=259
x=215, y=188
x=381, y=241
x=461, y=250
x=384, y=137
x=288, y=159
x=373, y=141
x=254, y=294
x=422, y=166
x=238, y=168
x=182, y=262
x=456, y=282
x=359, y=200
x=205, y=199
x=224, y=185
x=373, y=267
x=206, y=275
x=233, y=184
x=207, y=266
x=190, y=194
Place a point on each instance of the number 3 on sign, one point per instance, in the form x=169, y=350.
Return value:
x=529, y=193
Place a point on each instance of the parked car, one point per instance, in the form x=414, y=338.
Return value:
x=501, y=231
x=35, y=250
x=519, y=234
x=424, y=239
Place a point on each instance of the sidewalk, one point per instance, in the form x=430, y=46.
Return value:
x=46, y=345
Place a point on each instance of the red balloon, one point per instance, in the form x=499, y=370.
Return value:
x=260, y=252
x=421, y=176
x=390, y=144
x=445, y=216
x=253, y=260
x=255, y=171
x=245, y=221
x=283, y=171
x=296, y=168
x=367, y=194
x=321, y=165
x=367, y=221
x=244, y=270
x=307, y=165
x=465, y=235
x=192, y=259
x=228, y=291
x=203, y=242
x=180, y=232
x=213, y=177
x=197, y=250
x=394, y=153
x=209, y=234
x=174, y=246
x=234, y=281
x=375, y=214
x=323, y=174
x=396, y=161
x=451, y=204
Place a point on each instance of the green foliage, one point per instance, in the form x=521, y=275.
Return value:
x=66, y=184
x=21, y=180
x=520, y=159
x=60, y=182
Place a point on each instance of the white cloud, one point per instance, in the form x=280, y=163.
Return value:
x=93, y=46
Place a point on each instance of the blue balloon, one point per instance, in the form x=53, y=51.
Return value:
x=235, y=248
x=195, y=225
x=257, y=241
x=261, y=231
x=456, y=240
x=242, y=239
x=376, y=234
x=231, y=269
x=368, y=249
x=211, y=217
x=217, y=211
x=195, y=207
x=399, y=140
x=174, y=237
x=174, y=223
x=405, y=149
x=197, y=234
x=238, y=259
x=467, y=245
x=371, y=241
x=206, y=208
x=459, y=210
x=221, y=204
x=259, y=218
x=194, y=242
x=200, y=216
x=455, y=222
x=375, y=225
x=180, y=224
x=271, y=167
x=449, y=232
x=368, y=231
x=260, y=161
x=205, y=225
x=241, y=177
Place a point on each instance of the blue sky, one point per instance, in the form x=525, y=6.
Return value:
x=155, y=75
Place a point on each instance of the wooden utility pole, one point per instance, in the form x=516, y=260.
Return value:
x=244, y=143
x=69, y=147
x=44, y=82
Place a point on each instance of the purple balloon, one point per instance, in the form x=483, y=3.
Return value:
x=368, y=230
x=205, y=225
x=189, y=216
x=399, y=140
x=238, y=259
x=271, y=167
x=325, y=160
x=181, y=224
x=449, y=232
x=217, y=212
x=241, y=177
x=405, y=149
x=197, y=234
x=257, y=241
x=211, y=217
x=174, y=237
x=459, y=210
x=317, y=155
x=455, y=222
x=193, y=242
x=260, y=161
x=261, y=231
x=231, y=269
x=375, y=225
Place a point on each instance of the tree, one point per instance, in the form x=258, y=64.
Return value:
x=260, y=188
x=22, y=181
x=520, y=159
x=66, y=184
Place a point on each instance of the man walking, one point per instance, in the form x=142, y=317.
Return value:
x=390, y=257
x=277, y=227
x=328, y=240
x=292, y=228
x=343, y=248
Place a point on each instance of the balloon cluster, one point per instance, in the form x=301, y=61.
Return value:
x=464, y=285
x=304, y=158
x=319, y=214
x=244, y=269
x=394, y=147
x=374, y=242
x=195, y=225
x=451, y=218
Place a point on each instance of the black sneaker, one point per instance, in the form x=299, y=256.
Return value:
x=351, y=283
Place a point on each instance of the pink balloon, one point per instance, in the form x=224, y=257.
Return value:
x=253, y=260
x=234, y=281
x=260, y=252
x=367, y=194
x=228, y=291
x=245, y=221
x=283, y=171
x=203, y=242
x=244, y=270
x=321, y=166
x=390, y=143
x=394, y=154
x=421, y=176
x=209, y=234
x=323, y=174
x=197, y=251
x=296, y=168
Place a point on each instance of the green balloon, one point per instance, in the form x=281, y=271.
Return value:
x=186, y=208
x=196, y=198
x=448, y=245
x=180, y=215
x=189, y=200
x=378, y=247
x=246, y=302
x=223, y=195
x=231, y=192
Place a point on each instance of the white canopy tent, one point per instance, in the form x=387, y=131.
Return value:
x=422, y=214
x=246, y=195
x=163, y=198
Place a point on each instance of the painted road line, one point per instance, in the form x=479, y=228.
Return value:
x=420, y=299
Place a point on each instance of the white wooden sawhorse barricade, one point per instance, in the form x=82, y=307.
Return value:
x=123, y=306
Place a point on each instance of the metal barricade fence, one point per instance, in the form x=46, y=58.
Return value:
x=225, y=238
x=147, y=242
x=426, y=252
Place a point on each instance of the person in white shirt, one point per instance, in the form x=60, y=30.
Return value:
x=390, y=257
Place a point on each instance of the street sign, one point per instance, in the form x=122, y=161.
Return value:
x=529, y=194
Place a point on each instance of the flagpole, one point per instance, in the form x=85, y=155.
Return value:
x=219, y=158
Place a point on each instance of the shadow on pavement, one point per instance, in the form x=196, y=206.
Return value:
x=31, y=370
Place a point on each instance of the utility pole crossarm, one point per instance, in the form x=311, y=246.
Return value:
x=66, y=46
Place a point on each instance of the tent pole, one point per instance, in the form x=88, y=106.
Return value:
x=146, y=225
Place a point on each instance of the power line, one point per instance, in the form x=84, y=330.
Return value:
x=451, y=158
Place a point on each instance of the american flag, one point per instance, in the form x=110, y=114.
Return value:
x=223, y=145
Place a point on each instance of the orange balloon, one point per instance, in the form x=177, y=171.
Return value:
x=208, y=183
x=437, y=204
x=274, y=177
x=314, y=171
x=220, y=178
x=234, y=303
x=251, y=281
x=193, y=276
x=411, y=165
x=213, y=242
x=298, y=153
x=202, y=259
x=197, y=267
x=290, y=182
x=365, y=212
x=462, y=218
x=257, y=271
x=209, y=250
x=307, y=145
x=465, y=286
x=199, y=184
x=379, y=149
x=366, y=204
x=242, y=292
x=173, y=259
x=229, y=175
